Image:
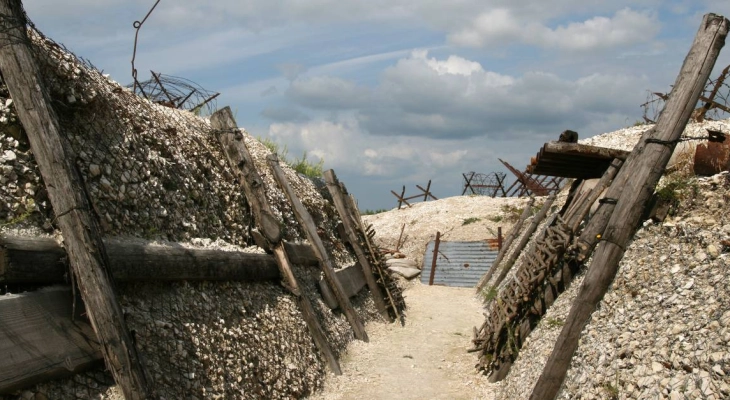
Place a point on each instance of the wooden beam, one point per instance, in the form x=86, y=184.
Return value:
x=41, y=260
x=633, y=187
x=310, y=229
x=352, y=280
x=39, y=340
x=242, y=164
x=338, y=193
x=69, y=199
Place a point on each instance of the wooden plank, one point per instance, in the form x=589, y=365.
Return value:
x=513, y=234
x=241, y=162
x=326, y=262
x=336, y=189
x=69, y=199
x=633, y=188
x=41, y=260
x=352, y=280
x=39, y=341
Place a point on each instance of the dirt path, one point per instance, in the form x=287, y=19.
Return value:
x=426, y=359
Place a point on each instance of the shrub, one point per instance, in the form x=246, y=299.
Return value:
x=301, y=165
x=470, y=221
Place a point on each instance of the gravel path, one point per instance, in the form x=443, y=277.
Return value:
x=426, y=359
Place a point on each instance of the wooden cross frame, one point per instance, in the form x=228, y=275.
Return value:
x=477, y=188
x=402, y=199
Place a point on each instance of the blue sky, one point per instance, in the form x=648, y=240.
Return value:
x=397, y=92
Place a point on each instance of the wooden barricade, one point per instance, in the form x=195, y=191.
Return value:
x=404, y=200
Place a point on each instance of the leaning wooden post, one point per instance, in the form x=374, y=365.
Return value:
x=506, y=246
x=242, y=164
x=632, y=189
x=310, y=229
x=333, y=185
x=69, y=199
x=435, y=258
x=525, y=238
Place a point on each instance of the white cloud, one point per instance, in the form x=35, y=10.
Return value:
x=500, y=27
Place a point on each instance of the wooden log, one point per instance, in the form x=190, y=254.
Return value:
x=507, y=245
x=525, y=238
x=352, y=280
x=633, y=187
x=241, y=162
x=41, y=260
x=435, y=258
x=310, y=229
x=69, y=200
x=583, y=150
x=39, y=340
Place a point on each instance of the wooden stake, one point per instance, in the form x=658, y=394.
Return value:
x=633, y=188
x=435, y=258
x=328, y=266
x=70, y=203
x=241, y=162
x=335, y=189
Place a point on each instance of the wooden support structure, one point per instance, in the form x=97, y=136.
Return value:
x=39, y=340
x=513, y=234
x=525, y=238
x=69, y=199
x=41, y=260
x=338, y=192
x=328, y=266
x=632, y=189
x=495, y=184
x=241, y=162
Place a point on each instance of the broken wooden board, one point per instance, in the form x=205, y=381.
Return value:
x=39, y=341
x=352, y=280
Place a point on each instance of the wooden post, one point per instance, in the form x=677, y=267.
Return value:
x=70, y=202
x=499, y=237
x=513, y=234
x=241, y=162
x=310, y=228
x=525, y=238
x=633, y=188
x=335, y=189
x=435, y=258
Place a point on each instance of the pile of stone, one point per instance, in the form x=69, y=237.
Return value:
x=158, y=173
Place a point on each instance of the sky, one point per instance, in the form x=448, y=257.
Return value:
x=399, y=92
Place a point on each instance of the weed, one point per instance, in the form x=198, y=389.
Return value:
x=489, y=293
x=373, y=212
x=554, y=322
x=511, y=213
x=458, y=334
x=29, y=208
x=470, y=221
x=611, y=390
x=301, y=165
x=675, y=188
x=496, y=218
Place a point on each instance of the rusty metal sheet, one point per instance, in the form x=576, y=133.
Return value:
x=459, y=264
x=712, y=158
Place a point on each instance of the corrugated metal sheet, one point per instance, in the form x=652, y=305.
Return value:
x=459, y=264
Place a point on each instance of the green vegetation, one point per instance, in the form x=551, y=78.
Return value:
x=373, y=212
x=611, y=390
x=301, y=165
x=489, y=294
x=29, y=208
x=554, y=322
x=675, y=188
x=511, y=213
x=470, y=220
x=496, y=218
